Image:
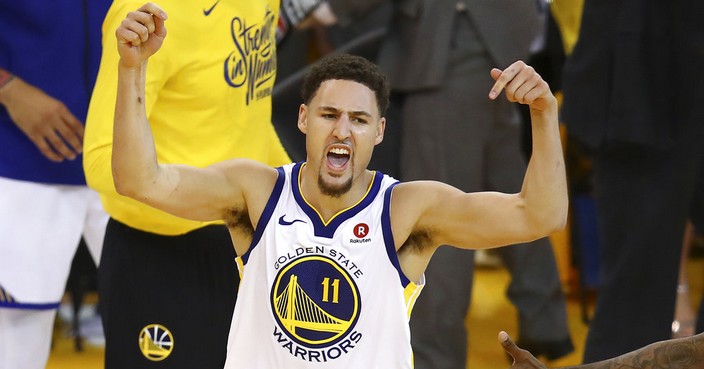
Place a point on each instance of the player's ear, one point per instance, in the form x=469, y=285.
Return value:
x=380, y=128
x=303, y=118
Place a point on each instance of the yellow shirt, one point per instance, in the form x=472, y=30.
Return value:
x=208, y=97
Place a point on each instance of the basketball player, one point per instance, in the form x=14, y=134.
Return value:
x=329, y=251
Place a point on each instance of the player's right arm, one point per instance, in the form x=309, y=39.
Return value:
x=202, y=194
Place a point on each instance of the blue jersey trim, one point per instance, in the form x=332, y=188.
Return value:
x=7, y=301
x=319, y=227
x=266, y=214
x=29, y=306
x=389, y=237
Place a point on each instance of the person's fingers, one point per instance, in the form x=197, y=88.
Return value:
x=71, y=130
x=130, y=31
x=504, y=77
x=527, y=85
x=508, y=344
x=159, y=28
x=154, y=9
x=57, y=142
x=518, y=354
x=145, y=19
x=139, y=25
x=495, y=73
x=75, y=124
x=140, y=34
x=45, y=149
x=55, y=134
x=158, y=16
x=532, y=95
x=522, y=79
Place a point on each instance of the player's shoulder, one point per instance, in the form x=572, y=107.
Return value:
x=418, y=198
x=421, y=190
x=413, y=197
x=247, y=169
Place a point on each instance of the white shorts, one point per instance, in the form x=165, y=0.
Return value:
x=40, y=228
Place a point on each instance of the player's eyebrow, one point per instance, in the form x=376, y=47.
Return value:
x=338, y=111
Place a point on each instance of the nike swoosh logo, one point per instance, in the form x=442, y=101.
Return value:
x=285, y=223
x=208, y=11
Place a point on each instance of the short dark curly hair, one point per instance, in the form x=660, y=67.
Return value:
x=349, y=68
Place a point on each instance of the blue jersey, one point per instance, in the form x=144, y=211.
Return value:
x=55, y=46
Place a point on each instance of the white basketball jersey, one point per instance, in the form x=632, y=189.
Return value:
x=322, y=295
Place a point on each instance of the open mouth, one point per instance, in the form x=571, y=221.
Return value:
x=338, y=157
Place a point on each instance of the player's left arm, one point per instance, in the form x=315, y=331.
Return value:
x=446, y=215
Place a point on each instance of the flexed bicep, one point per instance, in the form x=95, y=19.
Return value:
x=449, y=216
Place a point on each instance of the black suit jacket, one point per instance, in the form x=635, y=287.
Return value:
x=635, y=75
x=416, y=50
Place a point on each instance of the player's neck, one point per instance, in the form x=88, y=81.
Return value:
x=328, y=205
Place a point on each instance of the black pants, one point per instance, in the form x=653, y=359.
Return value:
x=167, y=301
x=644, y=198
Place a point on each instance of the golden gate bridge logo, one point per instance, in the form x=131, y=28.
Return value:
x=315, y=301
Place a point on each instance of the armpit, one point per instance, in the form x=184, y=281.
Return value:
x=238, y=220
x=418, y=242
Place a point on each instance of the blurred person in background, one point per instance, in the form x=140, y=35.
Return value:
x=49, y=53
x=633, y=91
